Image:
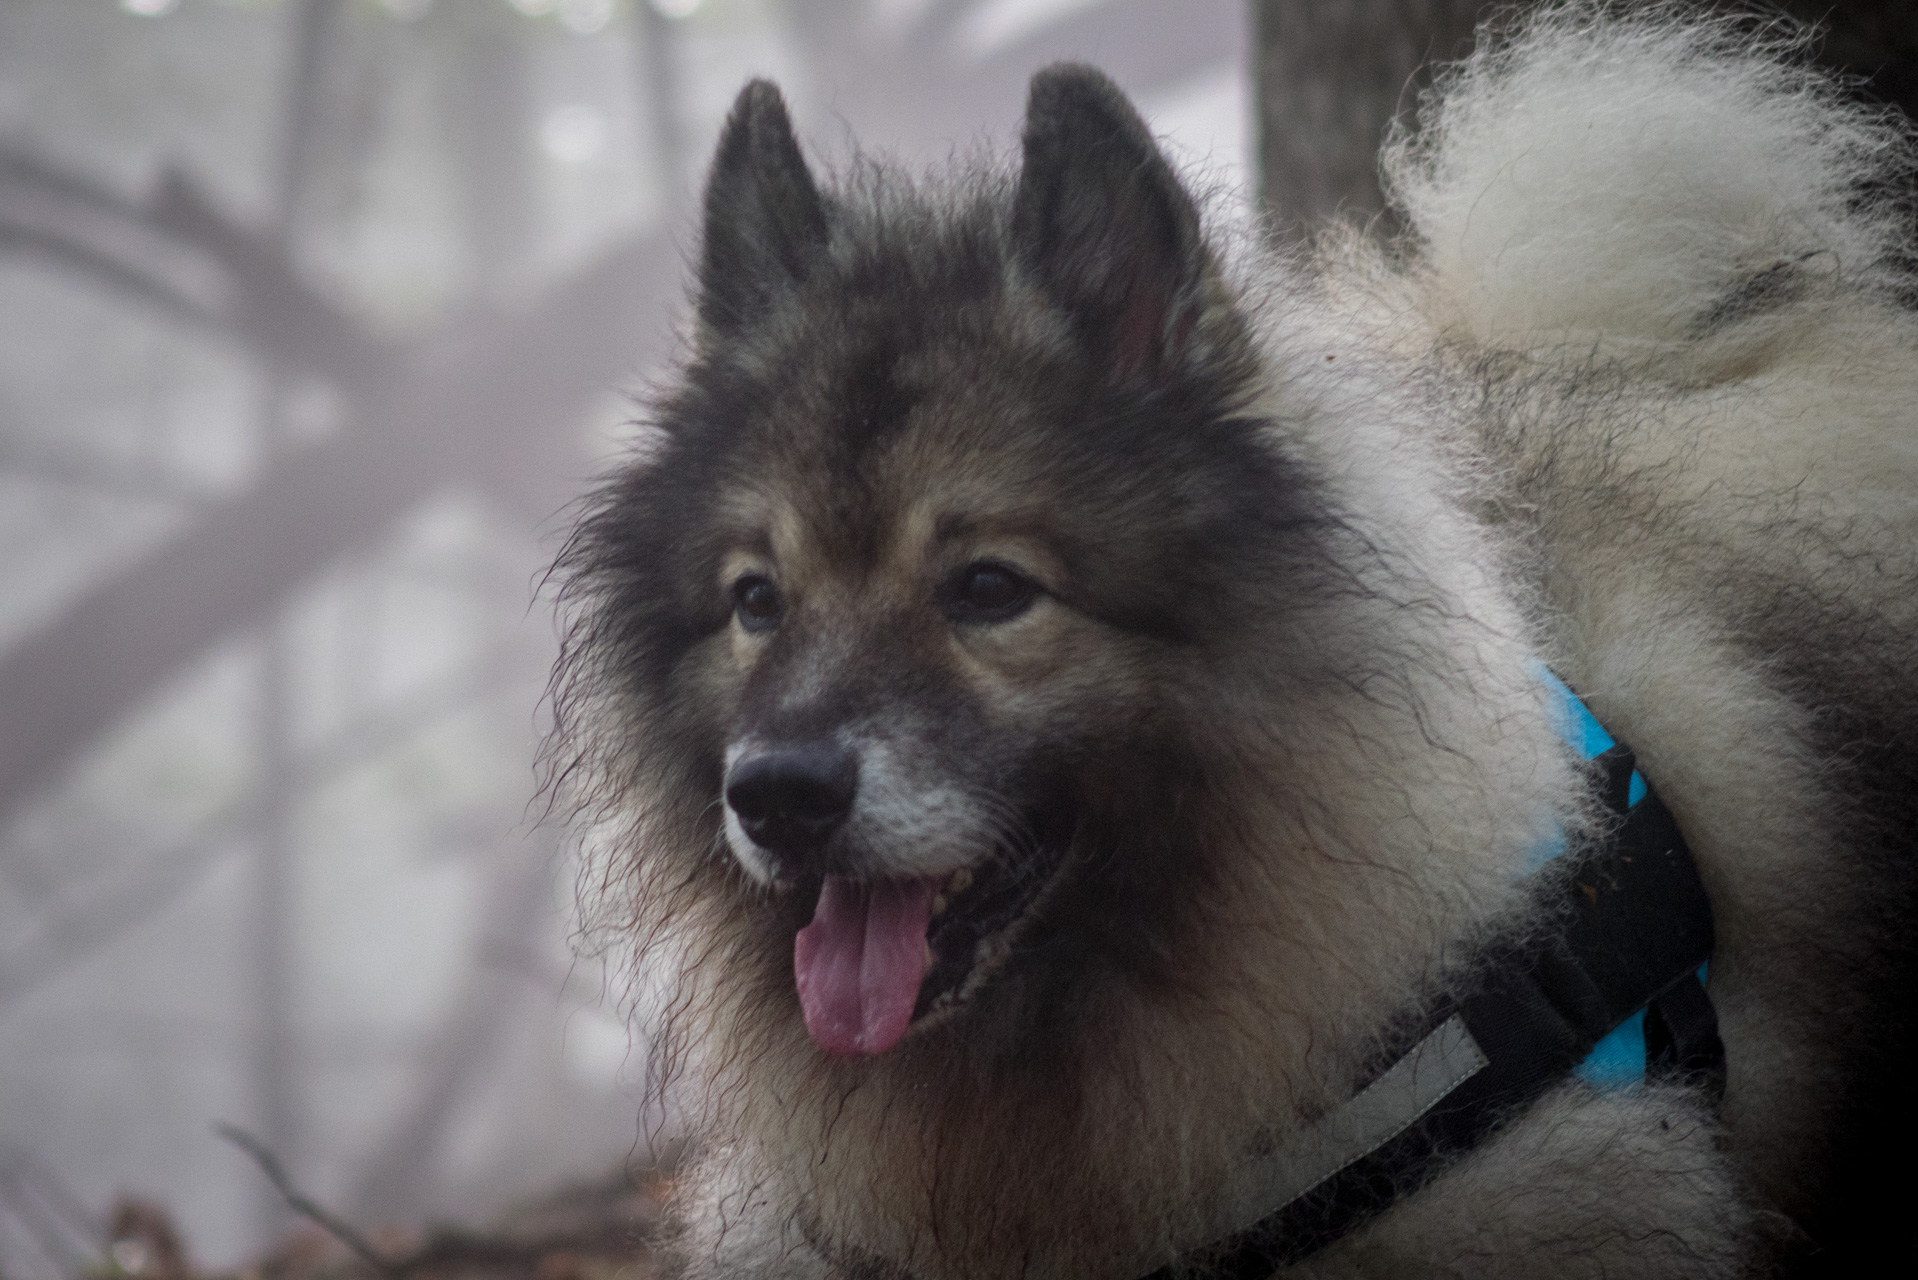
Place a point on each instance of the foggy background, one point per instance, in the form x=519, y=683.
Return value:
x=313, y=316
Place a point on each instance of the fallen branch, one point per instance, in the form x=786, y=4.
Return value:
x=602, y=1224
x=305, y=1206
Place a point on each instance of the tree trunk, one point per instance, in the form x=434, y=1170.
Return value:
x=1333, y=75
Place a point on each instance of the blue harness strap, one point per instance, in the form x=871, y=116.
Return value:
x=1618, y=1060
x=1581, y=728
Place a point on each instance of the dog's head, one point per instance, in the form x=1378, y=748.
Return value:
x=899, y=615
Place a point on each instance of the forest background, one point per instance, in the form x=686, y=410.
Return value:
x=314, y=315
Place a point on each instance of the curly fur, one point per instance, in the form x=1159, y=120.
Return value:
x=1635, y=396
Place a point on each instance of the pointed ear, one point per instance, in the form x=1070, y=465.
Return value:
x=1102, y=225
x=765, y=222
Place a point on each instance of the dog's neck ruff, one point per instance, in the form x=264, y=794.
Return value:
x=1613, y=994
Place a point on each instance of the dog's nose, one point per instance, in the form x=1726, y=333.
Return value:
x=791, y=799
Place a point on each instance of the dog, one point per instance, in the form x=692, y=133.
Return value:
x=1064, y=699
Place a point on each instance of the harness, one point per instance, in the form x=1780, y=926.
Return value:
x=1612, y=991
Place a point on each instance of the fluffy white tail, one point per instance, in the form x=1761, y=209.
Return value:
x=1642, y=175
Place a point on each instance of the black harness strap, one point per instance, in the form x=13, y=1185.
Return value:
x=1634, y=926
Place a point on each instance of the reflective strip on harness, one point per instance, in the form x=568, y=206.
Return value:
x=1381, y=1111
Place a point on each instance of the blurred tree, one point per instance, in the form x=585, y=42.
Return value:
x=1333, y=75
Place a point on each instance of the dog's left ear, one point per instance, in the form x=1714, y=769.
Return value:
x=1103, y=226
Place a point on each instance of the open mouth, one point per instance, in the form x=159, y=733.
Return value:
x=882, y=957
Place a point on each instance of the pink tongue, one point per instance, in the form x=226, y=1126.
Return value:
x=859, y=963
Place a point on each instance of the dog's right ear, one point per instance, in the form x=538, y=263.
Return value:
x=765, y=223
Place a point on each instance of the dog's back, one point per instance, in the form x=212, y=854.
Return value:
x=1670, y=267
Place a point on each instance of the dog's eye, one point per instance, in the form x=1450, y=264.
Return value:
x=757, y=602
x=987, y=591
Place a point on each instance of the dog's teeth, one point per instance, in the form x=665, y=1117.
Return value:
x=939, y=903
x=959, y=881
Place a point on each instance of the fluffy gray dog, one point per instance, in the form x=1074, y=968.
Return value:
x=1068, y=701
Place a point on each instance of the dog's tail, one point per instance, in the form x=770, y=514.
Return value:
x=1641, y=178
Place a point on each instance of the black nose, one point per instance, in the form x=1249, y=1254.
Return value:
x=792, y=798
